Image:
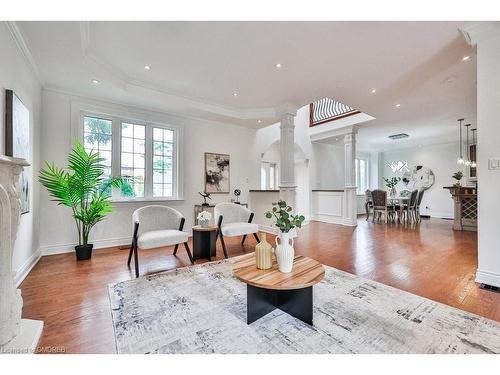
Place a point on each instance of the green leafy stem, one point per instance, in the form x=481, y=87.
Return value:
x=285, y=221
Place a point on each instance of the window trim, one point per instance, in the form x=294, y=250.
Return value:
x=79, y=110
x=358, y=173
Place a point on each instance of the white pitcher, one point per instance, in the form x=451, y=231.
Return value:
x=284, y=252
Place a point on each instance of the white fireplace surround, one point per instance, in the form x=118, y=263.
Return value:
x=16, y=335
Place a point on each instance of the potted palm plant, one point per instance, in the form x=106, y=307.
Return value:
x=82, y=187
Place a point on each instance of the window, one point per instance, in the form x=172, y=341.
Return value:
x=269, y=174
x=97, y=136
x=133, y=159
x=361, y=175
x=145, y=155
x=163, y=151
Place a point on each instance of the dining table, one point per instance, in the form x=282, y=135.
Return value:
x=400, y=201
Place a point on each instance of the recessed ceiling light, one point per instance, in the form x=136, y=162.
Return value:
x=235, y=93
x=374, y=91
x=278, y=65
x=465, y=58
x=398, y=105
x=147, y=67
x=95, y=81
x=259, y=121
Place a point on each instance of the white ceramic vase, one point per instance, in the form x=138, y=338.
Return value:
x=204, y=223
x=284, y=252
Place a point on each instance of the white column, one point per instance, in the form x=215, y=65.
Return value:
x=486, y=36
x=349, y=211
x=16, y=335
x=287, y=158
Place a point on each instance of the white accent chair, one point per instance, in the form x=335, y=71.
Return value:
x=157, y=226
x=234, y=220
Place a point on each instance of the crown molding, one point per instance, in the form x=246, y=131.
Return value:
x=138, y=110
x=477, y=32
x=24, y=49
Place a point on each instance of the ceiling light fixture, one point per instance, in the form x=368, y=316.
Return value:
x=398, y=136
x=147, y=67
x=374, y=91
x=95, y=81
x=278, y=65
x=398, y=105
x=465, y=58
x=259, y=121
x=235, y=93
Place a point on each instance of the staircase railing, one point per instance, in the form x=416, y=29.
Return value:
x=326, y=110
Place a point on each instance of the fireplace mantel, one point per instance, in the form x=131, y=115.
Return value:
x=16, y=335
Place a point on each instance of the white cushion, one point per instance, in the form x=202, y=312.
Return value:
x=159, y=238
x=155, y=217
x=239, y=229
x=231, y=213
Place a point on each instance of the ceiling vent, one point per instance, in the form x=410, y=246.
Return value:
x=399, y=136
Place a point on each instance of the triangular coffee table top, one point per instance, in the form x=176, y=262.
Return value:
x=305, y=273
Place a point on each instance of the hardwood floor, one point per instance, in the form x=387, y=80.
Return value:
x=431, y=260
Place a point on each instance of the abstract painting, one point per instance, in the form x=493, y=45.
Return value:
x=17, y=141
x=216, y=173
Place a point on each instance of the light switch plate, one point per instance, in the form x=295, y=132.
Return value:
x=494, y=163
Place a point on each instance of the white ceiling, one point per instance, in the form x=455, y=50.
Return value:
x=196, y=67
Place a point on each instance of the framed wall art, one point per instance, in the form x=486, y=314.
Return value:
x=217, y=175
x=17, y=141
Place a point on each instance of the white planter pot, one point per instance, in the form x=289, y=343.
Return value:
x=284, y=252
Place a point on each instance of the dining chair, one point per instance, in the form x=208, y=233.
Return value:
x=409, y=208
x=234, y=220
x=380, y=204
x=368, y=203
x=405, y=193
x=157, y=226
x=419, y=201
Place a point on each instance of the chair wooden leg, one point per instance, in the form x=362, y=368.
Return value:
x=136, y=261
x=130, y=254
x=223, y=245
x=189, y=252
x=243, y=239
x=256, y=237
x=175, y=248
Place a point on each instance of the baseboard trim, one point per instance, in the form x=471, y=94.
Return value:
x=99, y=244
x=25, y=269
x=327, y=218
x=487, y=277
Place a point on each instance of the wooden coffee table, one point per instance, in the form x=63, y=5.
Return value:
x=270, y=289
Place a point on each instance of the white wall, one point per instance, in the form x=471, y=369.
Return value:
x=57, y=231
x=16, y=74
x=488, y=99
x=441, y=159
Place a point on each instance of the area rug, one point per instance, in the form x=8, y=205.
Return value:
x=202, y=309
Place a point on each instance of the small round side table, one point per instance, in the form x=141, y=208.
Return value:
x=204, y=241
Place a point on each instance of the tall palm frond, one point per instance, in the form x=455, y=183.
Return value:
x=82, y=187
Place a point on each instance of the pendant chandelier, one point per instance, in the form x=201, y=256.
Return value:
x=467, y=160
x=460, y=159
x=473, y=162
